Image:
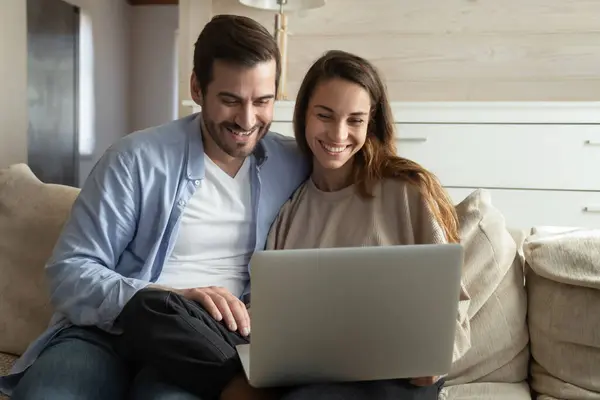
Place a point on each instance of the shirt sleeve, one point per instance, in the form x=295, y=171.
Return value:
x=429, y=231
x=84, y=285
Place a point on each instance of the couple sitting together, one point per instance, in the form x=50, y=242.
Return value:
x=149, y=278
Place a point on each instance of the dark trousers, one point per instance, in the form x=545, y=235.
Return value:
x=180, y=339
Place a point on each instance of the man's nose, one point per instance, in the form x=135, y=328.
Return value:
x=246, y=118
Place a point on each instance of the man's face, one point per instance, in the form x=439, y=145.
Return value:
x=237, y=108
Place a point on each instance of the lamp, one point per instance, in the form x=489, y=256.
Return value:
x=280, y=31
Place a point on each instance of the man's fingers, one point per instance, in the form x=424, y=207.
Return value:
x=223, y=306
x=204, y=298
x=240, y=314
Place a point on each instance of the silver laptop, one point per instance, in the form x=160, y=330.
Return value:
x=352, y=314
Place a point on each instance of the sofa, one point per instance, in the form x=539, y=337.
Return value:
x=533, y=313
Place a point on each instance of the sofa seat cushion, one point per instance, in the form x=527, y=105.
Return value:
x=493, y=276
x=31, y=217
x=487, y=391
x=6, y=362
x=563, y=283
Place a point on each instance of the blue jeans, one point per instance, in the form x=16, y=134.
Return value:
x=84, y=364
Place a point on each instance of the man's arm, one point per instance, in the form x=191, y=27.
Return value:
x=84, y=285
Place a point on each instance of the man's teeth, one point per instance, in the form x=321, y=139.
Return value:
x=333, y=149
x=237, y=133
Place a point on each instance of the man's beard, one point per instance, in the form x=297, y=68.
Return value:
x=217, y=132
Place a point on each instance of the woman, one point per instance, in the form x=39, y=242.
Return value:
x=361, y=193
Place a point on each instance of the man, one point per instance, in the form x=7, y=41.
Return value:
x=176, y=210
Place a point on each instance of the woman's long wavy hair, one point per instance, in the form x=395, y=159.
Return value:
x=377, y=159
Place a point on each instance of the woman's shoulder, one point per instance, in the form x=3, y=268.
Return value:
x=281, y=226
x=295, y=199
x=411, y=203
x=400, y=190
x=299, y=193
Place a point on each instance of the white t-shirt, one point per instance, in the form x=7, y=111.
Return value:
x=216, y=238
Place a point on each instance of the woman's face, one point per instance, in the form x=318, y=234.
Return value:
x=337, y=118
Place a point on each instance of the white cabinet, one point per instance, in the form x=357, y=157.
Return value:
x=528, y=208
x=534, y=156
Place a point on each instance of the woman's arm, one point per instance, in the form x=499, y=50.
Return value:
x=429, y=231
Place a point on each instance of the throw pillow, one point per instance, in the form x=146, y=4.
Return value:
x=563, y=283
x=493, y=277
x=495, y=391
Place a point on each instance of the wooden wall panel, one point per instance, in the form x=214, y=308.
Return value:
x=454, y=50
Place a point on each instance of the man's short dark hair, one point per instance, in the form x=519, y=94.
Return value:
x=236, y=40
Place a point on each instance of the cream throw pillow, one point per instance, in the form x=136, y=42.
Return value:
x=494, y=391
x=493, y=276
x=31, y=217
x=563, y=282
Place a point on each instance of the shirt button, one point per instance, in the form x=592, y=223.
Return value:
x=196, y=182
x=181, y=203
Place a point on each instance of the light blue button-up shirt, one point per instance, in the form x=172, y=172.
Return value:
x=124, y=223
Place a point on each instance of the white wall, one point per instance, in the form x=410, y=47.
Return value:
x=110, y=27
x=110, y=19
x=193, y=15
x=13, y=82
x=134, y=51
x=153, y=66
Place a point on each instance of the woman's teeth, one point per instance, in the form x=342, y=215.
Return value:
x=333, y=149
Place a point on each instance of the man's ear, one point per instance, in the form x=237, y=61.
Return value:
x=195, y=90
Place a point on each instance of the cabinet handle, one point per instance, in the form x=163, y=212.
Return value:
x=413, y=139
x=592, y=209
x=592, y=143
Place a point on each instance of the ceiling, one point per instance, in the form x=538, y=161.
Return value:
x=152, y=2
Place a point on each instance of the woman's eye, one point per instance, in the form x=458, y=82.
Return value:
x=323, y=116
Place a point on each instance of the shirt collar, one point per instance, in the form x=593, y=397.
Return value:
x=195, y=160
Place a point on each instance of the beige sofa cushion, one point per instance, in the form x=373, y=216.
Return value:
x=31, y=217
x=493, y=276
x=493, y=391
x=563, y=282
x=6, y=362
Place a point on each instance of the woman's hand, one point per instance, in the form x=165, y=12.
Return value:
x=425, y=380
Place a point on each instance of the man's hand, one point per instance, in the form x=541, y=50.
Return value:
x=425, y=380
x=222, y=306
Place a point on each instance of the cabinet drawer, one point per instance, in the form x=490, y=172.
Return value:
x=525, y=209
x=506, y=156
